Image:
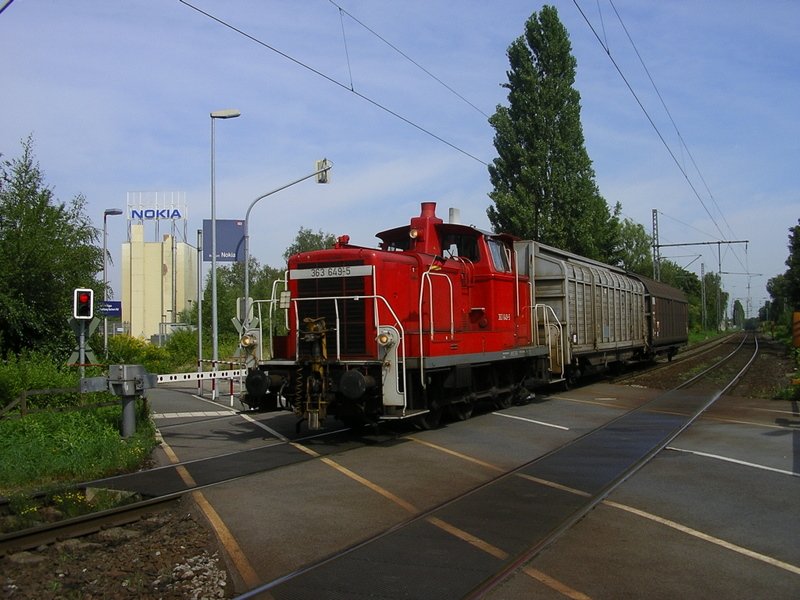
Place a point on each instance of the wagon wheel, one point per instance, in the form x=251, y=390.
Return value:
x=429, y=420
x=570, y=379
x=503, y=400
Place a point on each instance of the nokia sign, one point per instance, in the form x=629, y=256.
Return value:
x=150, y=214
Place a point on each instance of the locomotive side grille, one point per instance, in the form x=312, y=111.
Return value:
x=352, y=318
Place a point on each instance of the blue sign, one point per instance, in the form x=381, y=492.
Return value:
x=230, y=240
x=109, y=308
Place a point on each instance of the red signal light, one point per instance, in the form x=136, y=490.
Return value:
x=83, y=303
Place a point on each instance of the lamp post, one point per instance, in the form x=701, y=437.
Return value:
x=200, y=308
x=219, y=114
x=199, y=296
x=106, y=213
x=321, y=172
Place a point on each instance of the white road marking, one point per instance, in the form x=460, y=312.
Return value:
x=733, y=460
x=542, y=423
x=195, y=413
x=708, y=538
x=269, y=430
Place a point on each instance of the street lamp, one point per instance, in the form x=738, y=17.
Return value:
x=219, y=114
x=106, y=213
x=321, y=172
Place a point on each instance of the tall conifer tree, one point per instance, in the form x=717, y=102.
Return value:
x=544, y=187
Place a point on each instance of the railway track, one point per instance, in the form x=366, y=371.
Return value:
x=462, y=549
x=687, y=355
x=162, y=487
x=83, y=525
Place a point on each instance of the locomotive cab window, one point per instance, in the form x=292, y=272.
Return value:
x=499, y=255
x=460, y=246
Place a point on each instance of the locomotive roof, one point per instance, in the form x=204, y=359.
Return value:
x=399, y=233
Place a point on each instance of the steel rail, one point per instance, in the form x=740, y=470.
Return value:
x=83, y=525
x=32, y=537
x=684, y=356
x=721, y=362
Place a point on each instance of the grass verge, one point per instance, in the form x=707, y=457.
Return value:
x=50, y=450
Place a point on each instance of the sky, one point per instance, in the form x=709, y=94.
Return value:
x=688, y=107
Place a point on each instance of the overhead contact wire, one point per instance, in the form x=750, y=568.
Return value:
x=669, y=115
x=647, y=115
x=346, y=51
x=334, y=81
x=407, y=57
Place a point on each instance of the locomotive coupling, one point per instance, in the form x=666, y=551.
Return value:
x=259, y=382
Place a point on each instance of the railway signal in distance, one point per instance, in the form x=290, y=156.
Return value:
x=83, y=303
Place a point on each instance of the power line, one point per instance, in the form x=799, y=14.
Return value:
x=346, y=51
x=5, y=4
x=406, y=56
x=669, y=114
x=334, y=81
x=686, y=224
x=647, y=115
x=655, y=127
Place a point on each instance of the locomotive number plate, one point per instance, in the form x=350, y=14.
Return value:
x=331, y=271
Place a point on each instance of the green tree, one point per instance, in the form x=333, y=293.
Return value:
x=544, y=186
x=307, y=240
x=716, y=300
x=230, y=285
x=792, y=274
x=635, y=248
x=47, y=249
x=779, y=305
x=738, y=314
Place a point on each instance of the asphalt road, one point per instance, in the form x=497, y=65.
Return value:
x=713, y=516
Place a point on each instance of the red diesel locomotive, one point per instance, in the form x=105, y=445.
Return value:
x=441, y=316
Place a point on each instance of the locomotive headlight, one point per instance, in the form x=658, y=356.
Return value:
x=385, y=338
x=249, y=341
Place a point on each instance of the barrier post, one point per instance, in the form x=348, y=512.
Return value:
x=214, y=381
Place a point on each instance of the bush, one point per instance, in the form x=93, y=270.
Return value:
x=47, y=448
x=127, y=350
x=34, y=371
x=182, y=349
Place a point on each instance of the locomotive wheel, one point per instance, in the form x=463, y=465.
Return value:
x=460, y=411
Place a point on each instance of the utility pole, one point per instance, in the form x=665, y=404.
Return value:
x=703, y=293
x=656, y=248
x=719, y=264
x=749, y=279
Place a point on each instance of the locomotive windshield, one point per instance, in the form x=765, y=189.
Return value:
x=499, y=255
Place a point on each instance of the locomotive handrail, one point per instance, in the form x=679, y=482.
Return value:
x=427, y=275
x=272, y=304
x=377, y=322
x=546, y=310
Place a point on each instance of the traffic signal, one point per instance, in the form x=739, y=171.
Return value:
x=83, y=303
